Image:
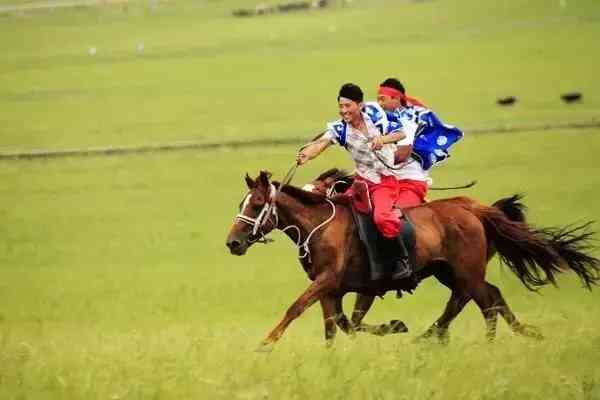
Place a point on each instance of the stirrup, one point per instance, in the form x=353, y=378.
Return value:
x=402, y=270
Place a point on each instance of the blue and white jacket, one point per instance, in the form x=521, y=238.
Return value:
x=432, y=139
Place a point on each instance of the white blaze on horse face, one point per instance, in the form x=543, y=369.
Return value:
x=246, y=202
x=309, y=187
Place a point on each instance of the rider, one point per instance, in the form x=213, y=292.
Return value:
x=413, y=180
x=427, y=141
x=369, y=138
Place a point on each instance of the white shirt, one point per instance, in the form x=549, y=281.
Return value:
x=367, y=164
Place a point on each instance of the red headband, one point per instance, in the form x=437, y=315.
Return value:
x=388, y=91
x=395, y=93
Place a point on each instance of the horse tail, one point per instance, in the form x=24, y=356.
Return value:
x=512, y=207
x=537, y=255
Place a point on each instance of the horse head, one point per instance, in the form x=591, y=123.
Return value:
x=257, y=216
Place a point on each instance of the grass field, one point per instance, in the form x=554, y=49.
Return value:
x=205, y=75
x=114, y=279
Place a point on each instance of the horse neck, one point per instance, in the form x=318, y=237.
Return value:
x=305, y=216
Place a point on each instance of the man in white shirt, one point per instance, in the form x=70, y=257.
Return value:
x=365, y=132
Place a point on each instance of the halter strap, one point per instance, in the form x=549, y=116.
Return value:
x=266, y=212
x=270, y=210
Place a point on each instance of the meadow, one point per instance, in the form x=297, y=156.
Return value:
x=115, y=282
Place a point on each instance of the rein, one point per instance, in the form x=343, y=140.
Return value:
x=304, y=245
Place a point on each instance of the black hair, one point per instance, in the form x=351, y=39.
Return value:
x=352, y=92
x=394, y=84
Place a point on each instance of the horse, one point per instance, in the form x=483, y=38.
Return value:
x=336, y=181
x=454, y=239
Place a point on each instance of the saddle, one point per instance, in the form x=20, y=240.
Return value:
x=382, y=252
x=381, y=257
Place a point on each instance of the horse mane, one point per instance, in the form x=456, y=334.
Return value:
x=301, y=195
x=336, y=174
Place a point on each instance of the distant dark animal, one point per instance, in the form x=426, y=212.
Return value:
x=454, y=239
x=507, y=101
x=294, y=6
x=242, y=12
x=571, y=97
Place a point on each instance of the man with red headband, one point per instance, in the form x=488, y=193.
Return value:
x=365, y=132
x=426, y=144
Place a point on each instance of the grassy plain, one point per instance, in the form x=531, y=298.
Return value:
x=205, y=75
x=116, y=284
x=114, y=279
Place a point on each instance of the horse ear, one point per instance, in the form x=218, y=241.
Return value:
x=264, y=177
x=249, y=182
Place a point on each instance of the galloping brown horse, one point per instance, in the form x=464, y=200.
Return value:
x=454, y=240
x=335, y=181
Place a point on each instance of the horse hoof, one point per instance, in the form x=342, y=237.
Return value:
x=265, y=347
x=443, y=337
x=425, y=337
x=397, y=326
x=530, y=331
x=444, y=340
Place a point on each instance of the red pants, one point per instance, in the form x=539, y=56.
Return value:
x=411, y=193
x=383, y=197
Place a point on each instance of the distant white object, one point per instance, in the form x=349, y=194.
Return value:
x=92, y=51
x=563, y=3
x=140, y=47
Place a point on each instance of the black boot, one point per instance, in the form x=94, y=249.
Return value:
x=402, y=268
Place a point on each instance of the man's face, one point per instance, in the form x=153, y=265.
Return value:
x=349, y=110
x=388, y=103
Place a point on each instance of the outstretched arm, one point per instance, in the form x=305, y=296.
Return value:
x=312, y=150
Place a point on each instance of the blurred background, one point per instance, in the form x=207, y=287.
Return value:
x=114, y=278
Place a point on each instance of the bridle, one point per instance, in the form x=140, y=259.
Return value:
x=269, y=211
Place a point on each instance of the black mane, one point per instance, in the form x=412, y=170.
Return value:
x=303, y=196
x=336, y=174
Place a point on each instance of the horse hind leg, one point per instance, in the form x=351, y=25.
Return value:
x=458, y=299
x=504, y=310
x=488, y=298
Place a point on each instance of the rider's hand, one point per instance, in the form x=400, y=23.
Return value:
x=301, y=158
x=377, y=143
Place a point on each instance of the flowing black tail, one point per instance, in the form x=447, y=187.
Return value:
x=537, y=255
x=512, y=207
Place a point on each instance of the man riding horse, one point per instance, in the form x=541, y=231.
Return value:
x=395, y=137
x=366, y=133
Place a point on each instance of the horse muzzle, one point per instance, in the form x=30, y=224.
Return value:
x=236, y=246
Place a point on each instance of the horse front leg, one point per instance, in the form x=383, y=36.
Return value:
x=361, y=307
x=314, y=292
x=330, y=317
x=342, y=321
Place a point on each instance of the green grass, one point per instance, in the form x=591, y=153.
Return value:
x=115, y=283
x=114, y=279
x=205, y=75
